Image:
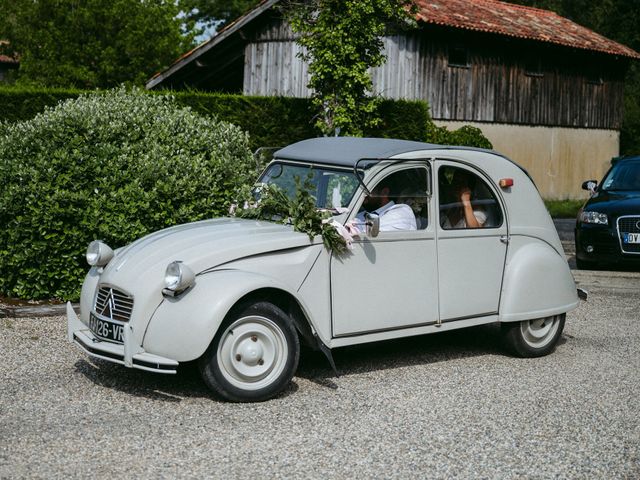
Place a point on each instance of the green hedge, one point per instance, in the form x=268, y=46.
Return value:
x=24, y=103
x=279, y=121
x=270, y=121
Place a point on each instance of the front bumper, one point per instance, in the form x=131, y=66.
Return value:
x=605, y=245
x=128, y=354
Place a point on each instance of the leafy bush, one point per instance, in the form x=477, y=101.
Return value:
x=113, y=166
x=466, y=136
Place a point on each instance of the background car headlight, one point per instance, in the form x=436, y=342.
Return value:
x=98, y=254
x=178, y=277
x=594, y=217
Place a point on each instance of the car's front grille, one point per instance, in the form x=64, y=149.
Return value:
x=113, y=304
x=629, y=224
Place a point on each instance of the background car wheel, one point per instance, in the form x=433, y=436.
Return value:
x=533, y=338
x=254, y=354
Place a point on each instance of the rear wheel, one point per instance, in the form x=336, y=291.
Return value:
x=254, y=355
x=533, y=338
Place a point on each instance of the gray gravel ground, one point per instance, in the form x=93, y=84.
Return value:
x=449, y=405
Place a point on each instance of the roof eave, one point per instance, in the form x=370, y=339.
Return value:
x=201, y=49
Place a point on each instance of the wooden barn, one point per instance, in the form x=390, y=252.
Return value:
x=547, y=92
x=7, y=63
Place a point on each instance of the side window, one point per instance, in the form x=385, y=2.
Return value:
x=401, y=200
x=466, y=201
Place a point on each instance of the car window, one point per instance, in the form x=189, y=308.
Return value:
x=331, y=188
x=407, y=192
x=466, y=201
x=623, y=176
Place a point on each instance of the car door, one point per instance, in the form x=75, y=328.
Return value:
x=470, y=258
x=390, y=281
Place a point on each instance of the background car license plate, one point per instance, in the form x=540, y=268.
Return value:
x=106, y=330
x=632, y=238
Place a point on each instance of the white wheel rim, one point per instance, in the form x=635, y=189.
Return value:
x=252, y=352
x=539, y=332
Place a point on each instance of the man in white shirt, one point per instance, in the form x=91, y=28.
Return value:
x=393, y=216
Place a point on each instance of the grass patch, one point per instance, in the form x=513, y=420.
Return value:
x=563, y=208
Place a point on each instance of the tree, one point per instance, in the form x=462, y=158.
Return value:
x=342, y=41
x=211, y=12
x=92, y=43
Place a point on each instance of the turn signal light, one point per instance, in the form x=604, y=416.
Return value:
x=506, y=182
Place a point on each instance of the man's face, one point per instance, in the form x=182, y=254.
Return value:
x=378, y=198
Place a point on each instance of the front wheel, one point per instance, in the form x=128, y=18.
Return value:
x=254, y=355
x=533, y=338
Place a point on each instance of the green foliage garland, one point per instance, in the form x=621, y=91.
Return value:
x=299, y=211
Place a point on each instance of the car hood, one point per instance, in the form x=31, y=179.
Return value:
x=615, y=203
x=201, y=246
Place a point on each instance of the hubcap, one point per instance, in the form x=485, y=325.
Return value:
x=252, y=352
x=538, y=333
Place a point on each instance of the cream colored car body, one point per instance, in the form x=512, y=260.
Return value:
x=397, y=284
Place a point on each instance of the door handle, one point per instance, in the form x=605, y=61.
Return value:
x=505, y=238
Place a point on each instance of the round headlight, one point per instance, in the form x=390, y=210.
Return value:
x=98, y=254
x=178, y=277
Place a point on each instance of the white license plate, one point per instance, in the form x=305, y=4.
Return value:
x=631, y=238
x=106, y=330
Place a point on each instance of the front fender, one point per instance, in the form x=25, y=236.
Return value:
x=182, y=327
x=537, y=282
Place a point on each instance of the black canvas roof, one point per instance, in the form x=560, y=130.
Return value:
x=346, y=151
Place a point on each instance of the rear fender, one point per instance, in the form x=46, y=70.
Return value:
x=182, y=327
x=537, y=282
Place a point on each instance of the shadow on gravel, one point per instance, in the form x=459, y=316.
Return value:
x=186, y=383
x=424, y=349
x=313, y=366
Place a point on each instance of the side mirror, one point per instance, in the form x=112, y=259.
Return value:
x=591, y=185
x=372, y=221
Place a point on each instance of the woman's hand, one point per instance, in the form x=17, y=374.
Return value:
x=465, y=196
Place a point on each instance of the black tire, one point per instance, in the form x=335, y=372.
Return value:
x=533, y=338
x=254, y=354
x=585, y=265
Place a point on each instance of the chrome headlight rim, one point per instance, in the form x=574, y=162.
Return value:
x=178, y=277
x=98, y=254
x=594, y=218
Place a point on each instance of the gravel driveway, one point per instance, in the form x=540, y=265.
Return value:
x=449, y=405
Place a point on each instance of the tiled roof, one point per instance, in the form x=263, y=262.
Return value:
x=6, y=59
x=517, y=21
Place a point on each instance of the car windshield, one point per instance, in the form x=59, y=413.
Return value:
x=332, y=188
x=623, y=176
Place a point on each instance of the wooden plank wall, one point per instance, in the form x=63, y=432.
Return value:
x=495, y=87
